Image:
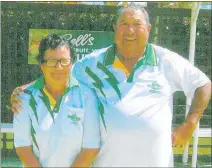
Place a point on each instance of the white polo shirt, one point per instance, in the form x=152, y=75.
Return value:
x=57, y=135
x=136, y=111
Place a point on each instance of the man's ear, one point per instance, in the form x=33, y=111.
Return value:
x=149, y=27
x=114, y=27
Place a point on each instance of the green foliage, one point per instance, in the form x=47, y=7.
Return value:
x=187, y=5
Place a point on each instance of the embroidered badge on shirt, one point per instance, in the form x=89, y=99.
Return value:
x=74, y=118
x=155, y=87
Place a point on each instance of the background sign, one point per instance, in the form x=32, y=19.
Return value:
x=83, y=42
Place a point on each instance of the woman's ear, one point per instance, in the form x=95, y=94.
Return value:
x=41, y=68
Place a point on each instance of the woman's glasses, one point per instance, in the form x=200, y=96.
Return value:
x=54, y=62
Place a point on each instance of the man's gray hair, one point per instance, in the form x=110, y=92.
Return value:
x=135, y=7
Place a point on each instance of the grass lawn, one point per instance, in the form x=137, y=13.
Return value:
x=203, y=149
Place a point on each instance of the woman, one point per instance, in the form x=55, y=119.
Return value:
x=58, y=125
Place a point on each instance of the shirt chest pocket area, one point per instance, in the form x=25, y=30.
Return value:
x=75, y=115
x=73, y=120
x=160, y=86
x=155, y=84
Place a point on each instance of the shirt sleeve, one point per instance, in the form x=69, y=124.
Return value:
x=183, y=75
x=21, y=126
x=80, y=73
x=91, y=123
x=84, y=69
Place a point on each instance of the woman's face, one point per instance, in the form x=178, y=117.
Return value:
x=57, y=65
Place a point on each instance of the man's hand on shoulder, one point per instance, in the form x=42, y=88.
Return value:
x=15, y=101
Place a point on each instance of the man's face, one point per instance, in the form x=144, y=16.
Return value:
x=131, y=32
x=57, y=74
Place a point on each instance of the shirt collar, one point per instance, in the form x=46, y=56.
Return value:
x=149, y=57
x=110, y=55
x=39, y=83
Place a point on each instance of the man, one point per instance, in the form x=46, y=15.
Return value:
x=135, y=81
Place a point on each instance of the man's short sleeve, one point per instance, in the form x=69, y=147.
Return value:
x=21, y=126
x=91, y=123
x=79, y=71
x=183, y=75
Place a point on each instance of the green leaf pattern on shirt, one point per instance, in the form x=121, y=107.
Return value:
x=111, y=78
x=32, y=103
x=33, y=135
x=101, y=110
x=98, y=83
x=46, y=101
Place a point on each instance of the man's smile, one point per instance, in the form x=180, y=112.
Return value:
x=130, y=38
